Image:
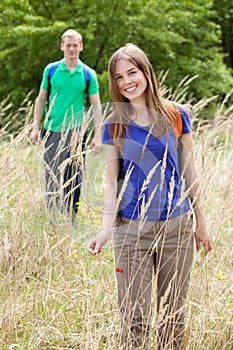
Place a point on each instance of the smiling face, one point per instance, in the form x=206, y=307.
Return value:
x=131, y=81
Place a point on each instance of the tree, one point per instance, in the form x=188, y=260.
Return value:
x=224, y=17
x=182, y=37
x=179, y=36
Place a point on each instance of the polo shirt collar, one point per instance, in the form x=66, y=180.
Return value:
x=78, y=69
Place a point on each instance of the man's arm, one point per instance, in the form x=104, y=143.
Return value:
x=38, y=112
x=97, y=110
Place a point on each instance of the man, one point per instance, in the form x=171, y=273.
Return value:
x=65, y=137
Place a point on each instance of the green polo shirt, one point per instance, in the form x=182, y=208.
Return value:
x=67, y=96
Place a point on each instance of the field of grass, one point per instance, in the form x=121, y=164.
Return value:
x=54, y=295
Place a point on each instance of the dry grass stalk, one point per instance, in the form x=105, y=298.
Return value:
x=53, y=300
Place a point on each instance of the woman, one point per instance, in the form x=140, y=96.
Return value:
x=154, y=232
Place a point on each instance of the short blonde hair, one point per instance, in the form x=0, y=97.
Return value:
x=72, y=34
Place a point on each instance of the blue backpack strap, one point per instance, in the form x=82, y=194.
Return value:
x=52, y=69
x=87, y=77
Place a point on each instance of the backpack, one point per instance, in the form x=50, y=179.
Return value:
x=178, y=130
x=52, y=69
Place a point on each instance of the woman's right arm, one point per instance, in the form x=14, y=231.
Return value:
x=109, y=202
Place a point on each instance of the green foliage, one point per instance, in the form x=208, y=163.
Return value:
x=186, y=44
x=179, y=36
x=12, y=13
x=224, y=17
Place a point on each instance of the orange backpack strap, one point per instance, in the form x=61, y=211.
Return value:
x=177, y=125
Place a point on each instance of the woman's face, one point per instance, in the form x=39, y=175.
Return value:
x=131, y=81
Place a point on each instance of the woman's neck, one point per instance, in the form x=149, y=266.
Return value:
x=141, y=116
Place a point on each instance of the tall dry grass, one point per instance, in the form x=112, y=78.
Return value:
x=54, y=295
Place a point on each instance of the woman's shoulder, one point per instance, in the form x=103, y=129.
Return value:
x=184, y=115
x=110, y=119
x=182, y=108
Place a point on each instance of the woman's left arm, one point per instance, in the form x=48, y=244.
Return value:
x=193, y=182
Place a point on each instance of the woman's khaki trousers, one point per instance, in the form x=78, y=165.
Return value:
x=164, y=250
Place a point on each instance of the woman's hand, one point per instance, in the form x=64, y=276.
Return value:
x=95, y=246
x=202, y=238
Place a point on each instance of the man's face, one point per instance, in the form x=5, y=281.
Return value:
x=71, y=48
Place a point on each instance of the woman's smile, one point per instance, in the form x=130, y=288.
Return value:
x=131, y=89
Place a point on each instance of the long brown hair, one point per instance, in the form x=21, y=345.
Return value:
x=160, y=109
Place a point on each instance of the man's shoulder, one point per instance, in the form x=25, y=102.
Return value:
x=86, y=67
x=52, y=66
x=54, y=63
